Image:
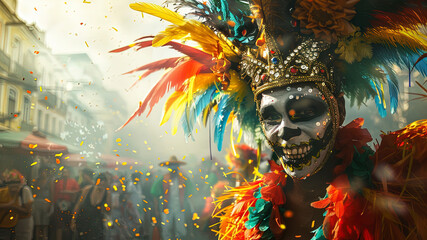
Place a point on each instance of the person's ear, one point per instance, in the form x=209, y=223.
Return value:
x=341, y=107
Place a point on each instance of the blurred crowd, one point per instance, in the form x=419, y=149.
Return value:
x=173, y=201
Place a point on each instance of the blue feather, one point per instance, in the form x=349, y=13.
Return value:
x=318, y=234
x=220, y=119
x=194, y=110
x=402, y=57
x=393, y=88
x=379, y=99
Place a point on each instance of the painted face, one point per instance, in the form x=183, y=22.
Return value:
x=297, y=123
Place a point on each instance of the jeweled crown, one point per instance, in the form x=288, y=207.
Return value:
x=308, y=62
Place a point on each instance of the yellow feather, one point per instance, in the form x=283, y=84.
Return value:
x=179, y=111
x=170, y=105
x=203, y=81
x=159, y=12
x=197, y=31
x=406, y=37
x=237, y=85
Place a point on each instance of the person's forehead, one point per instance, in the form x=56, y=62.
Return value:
x=287, y=93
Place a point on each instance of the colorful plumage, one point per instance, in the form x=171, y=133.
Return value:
x=389, y=34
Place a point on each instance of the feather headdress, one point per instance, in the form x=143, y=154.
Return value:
x=366, y=38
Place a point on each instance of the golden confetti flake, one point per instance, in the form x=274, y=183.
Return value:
x=47, y=200
x=87, y=45
x=34, y=163
x=195, y=216
x=81, y=144
x=32, y=146
x=115, y=29
x=118, y=140
x=166, y=211
x=312, y=224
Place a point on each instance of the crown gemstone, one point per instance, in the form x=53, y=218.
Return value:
x=263, y=77
x=294, y=70
x=275, y=60
x=322, y=70
x=272, y=52
x=294, y=22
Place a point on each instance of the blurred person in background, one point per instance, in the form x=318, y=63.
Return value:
x=87, y=177
x=172, y=195
x=64, y=194
x=89, y=212
x=129, y=223
x=17, y=211
x=208, y=222
x=43, y=206
x=243, y=160
x=135, y=197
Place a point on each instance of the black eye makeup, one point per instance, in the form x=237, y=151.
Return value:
x=270, y=115
x=305, y=108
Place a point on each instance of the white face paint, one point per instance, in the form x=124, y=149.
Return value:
x=297, y=122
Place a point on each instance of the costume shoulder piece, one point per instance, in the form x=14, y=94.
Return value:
x=400, y=176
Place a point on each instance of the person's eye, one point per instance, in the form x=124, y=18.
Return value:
x=271, y=116
x=305, y=109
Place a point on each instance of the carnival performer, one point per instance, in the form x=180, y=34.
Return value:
x=172, y=196
x=243, y=160
x=282, y=67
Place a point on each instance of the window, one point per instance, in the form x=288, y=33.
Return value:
x=26, y=109
x=46, y=123
x=16, y=50
x=53, y=126
x=12, y=102
x=39, y=119
x=60, y=127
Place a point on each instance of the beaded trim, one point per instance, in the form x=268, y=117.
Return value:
x=301, y=65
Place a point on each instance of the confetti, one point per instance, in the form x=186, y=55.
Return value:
x=118, y=140
x=28, y=91
x=166, y=211
x=195, y=216
x=115, y=29
x=87, y=45
x=34, y=163
x=32, y=146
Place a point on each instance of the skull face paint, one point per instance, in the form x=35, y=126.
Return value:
x=297, y=123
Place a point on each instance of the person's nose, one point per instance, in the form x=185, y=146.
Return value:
x=288, y=130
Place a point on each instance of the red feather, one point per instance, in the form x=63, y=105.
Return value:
x=157, y=65
x=172, y=79
x=192, y=52
x=143, y=44
x=410, y=18
x=154, y=67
